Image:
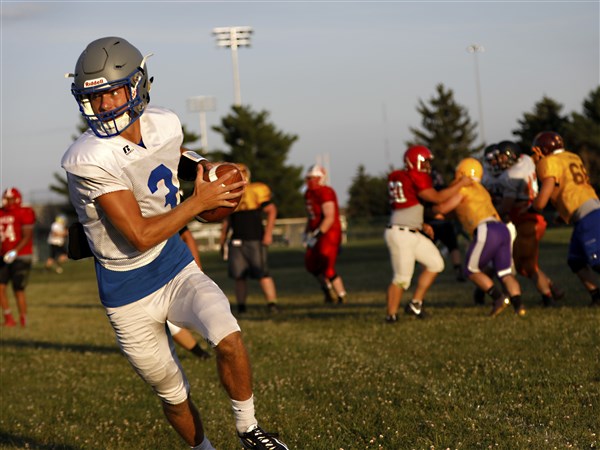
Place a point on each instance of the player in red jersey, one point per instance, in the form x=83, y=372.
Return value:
x=407, y=189
x=323, y=234
x=16, y=234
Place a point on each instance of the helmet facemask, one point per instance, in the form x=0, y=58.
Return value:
x=113, y=122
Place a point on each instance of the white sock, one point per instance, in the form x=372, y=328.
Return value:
x=243, y=412
x=204, y=445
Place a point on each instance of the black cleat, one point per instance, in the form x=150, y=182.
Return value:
x=415, y=309
x=256, y=438
x=392, y=318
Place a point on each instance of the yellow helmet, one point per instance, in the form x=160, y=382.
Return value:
x=469, y=167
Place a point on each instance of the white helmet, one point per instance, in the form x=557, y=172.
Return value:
x=315, y=171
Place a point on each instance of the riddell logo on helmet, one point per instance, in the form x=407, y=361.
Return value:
x=96, y=82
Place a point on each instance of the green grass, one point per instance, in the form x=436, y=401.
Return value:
x=326, y=377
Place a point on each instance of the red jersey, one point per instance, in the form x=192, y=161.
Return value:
x=12, y=222
x=314, y=199
x=404, y=185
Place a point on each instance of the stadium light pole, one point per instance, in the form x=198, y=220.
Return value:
x=234, y=37
x=202, y=104
x=475, y=49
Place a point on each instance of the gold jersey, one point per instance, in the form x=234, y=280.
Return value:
x=475, y=207
x=572, y=187
x=255, y=195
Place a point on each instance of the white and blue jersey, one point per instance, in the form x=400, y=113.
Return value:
x=97, y=166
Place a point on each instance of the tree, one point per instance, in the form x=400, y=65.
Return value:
x=367, y=196
x=254, y=141
x=582, y=135
x=545, y=117
x=447, y=130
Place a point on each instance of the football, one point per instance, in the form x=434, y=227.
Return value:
x=217, y=171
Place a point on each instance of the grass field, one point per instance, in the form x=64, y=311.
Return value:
x=326, y=377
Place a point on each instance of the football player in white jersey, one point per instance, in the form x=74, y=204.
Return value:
x=122, y=177
x=517, y=185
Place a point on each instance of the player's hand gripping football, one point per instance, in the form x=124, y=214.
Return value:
x=214, y=194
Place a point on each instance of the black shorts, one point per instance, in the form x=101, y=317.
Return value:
x=247, y=259
x=57, y=250
x=17, y=273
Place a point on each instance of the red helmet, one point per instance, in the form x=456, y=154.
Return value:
x=418, y=157
x=11, y=198
x=546, y=143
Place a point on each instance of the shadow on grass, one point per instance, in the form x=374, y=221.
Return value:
x=11, y=441
x=97, y=305
x=292, y=312
x=79, y=348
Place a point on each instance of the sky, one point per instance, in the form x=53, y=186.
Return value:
x=345, y=77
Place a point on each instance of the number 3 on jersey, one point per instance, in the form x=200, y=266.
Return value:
x=396, y=192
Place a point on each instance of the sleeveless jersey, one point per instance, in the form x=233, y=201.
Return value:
x=98, y=166
x=12, y=222
x=573, y=187
x=475, y=207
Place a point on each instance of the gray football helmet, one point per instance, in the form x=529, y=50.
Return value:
x=105, y=64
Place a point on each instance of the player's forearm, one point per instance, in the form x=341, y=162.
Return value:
x=271, y=218
x=157, y=229
x=543, y=197
x=449, y=192
x=123, y=211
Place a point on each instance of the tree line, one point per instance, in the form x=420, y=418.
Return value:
x=446, y=128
